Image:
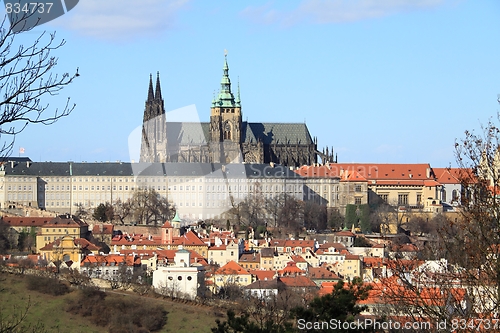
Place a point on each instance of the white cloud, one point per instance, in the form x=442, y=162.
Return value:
x=335, y=11
x=121, y=20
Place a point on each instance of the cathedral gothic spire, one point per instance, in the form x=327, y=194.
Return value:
x=158, y=89
x=225, y=98
x=151, y=96
x=154, y=143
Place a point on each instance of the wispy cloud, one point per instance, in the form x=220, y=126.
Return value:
x=122, y=20
x=334, y=11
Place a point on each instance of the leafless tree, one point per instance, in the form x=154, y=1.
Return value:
x=150, y=208
x=383, y=217
x=465, y=284
x=75, y=278
x=27, y=78
x=292, y=215
x=123, y=278
x=122, y=210
x=171, y=289
x=271, y=308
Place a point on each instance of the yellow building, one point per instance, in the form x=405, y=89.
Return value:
x=59, y=227
x=408, y=185
x=231, y=274
x=334, y=187
x=267, y=258
x=68, y=248
x=48, y=229
x=351, y=267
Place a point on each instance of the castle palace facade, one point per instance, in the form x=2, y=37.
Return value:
x=226, y=138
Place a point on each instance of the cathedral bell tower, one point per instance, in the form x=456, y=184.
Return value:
x=154, y=131
x=226, y=122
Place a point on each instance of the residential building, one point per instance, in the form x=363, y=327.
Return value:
x=250, y=260
x=110, y=266
x=182, y=278
x=266, y=258
x=351, y=267
x=320, y=274
x=265, y=289
x=231, y=274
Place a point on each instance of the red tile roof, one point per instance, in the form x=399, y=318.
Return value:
x=297, y=281
x=15, y=221
x=80, y=242
x=299, y=243
x=344, y=234
x=453, y=175
x=167, y=224
x=321, y=273
x=189, y=238
x=351, y=257
x=298, y=259
x=380, y=171
x=291, y=269
x=263, y=274
x=136, y=239
x=59, y=221
x=194, y=257
x=231, y=268
x=326, y=171
x=103, y=229
x=249, y=257
x=111, y=260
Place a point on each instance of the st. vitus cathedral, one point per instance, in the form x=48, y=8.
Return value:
x=226, y=138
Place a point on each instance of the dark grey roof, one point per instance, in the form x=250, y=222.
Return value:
x=69, y=168
x=266, y=284
x=188, y=133
x=277, y=133
x=14, y=159
x=216, y=170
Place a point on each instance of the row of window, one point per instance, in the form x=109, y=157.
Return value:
x=179, y=277
x=19, y=196
x=19, y=188
x=147, y=180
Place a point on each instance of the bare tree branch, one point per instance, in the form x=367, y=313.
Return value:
x=26, y=78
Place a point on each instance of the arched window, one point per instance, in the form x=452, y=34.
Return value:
x=227, y=131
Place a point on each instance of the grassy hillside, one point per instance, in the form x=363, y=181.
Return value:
x=51, y=310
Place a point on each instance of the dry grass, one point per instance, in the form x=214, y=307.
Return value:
x=51, y=310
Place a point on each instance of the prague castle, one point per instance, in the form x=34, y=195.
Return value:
x=226, y=138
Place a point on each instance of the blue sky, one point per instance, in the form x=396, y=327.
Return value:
x=395, y=81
